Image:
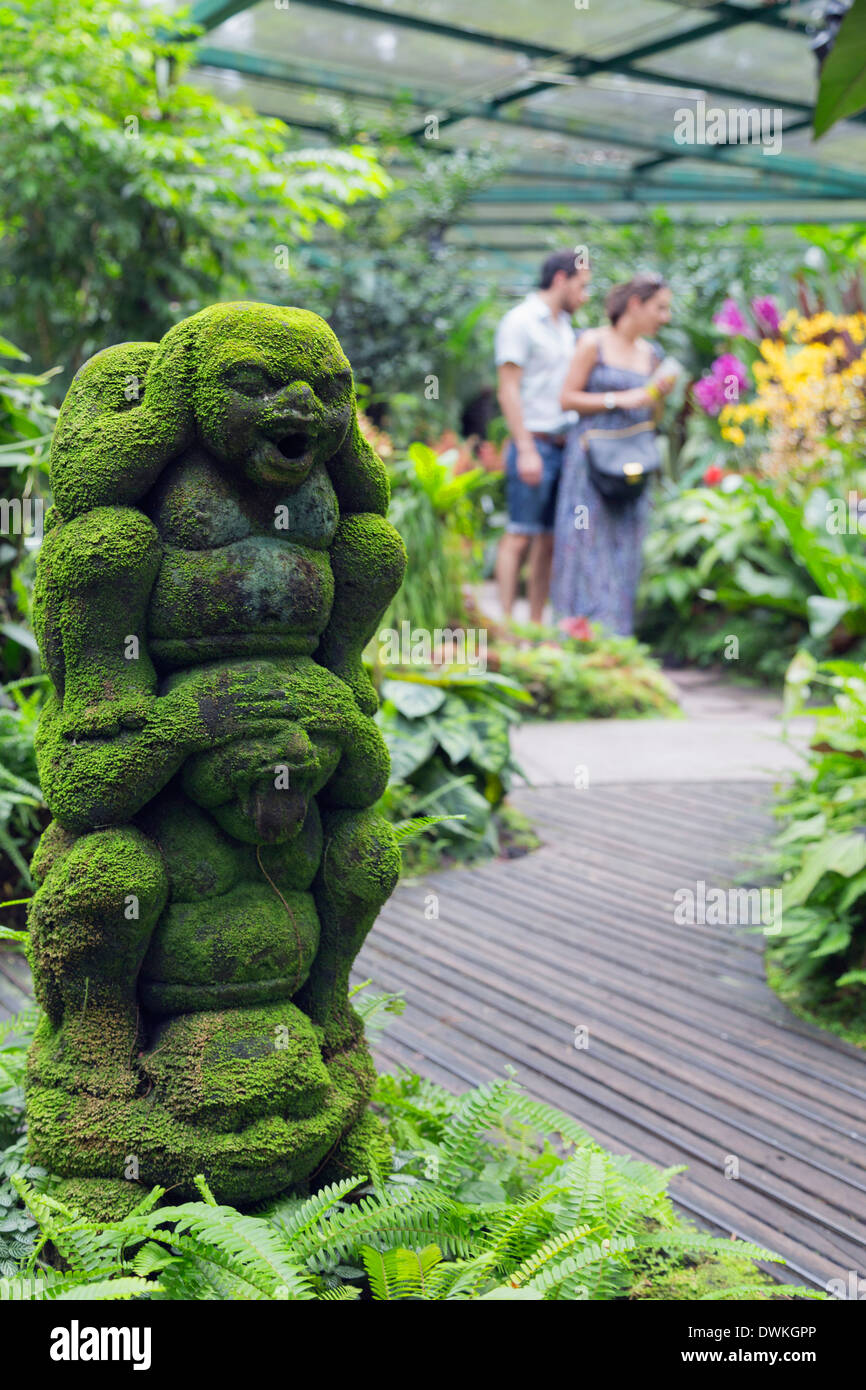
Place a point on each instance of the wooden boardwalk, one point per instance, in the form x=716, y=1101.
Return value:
x=691, y=1059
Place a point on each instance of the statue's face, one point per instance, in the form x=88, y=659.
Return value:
x=273, y=394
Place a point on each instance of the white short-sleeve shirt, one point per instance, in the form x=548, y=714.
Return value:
x=542, y=343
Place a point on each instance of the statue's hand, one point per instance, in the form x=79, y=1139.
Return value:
x=229, y=704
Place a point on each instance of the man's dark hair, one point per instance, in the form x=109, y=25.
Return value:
x=560, y=260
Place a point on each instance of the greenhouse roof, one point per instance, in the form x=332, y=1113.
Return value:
x=597, y=107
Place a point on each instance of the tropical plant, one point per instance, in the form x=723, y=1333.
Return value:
x=131, y=197
x=26, y=422
x=592, y=675
x=742, y=561
x=17, y=1225
x=447, y=731
x=22, y=809
x=842, y=89
x=809, y=373
x=821, y=853
x=436, y=511
x=479, y=1204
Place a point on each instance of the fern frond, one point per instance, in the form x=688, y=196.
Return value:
x=690, y=1241
x=476, y=1111
x=544, y=1119
x=400, y=1273
x=297, y=1217
x=553, y=1275
x=548, y=1251
x=247, y=1248
x=402, y=1217
x=102, y=1289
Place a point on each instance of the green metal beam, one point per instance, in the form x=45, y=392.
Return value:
x=631, y=191
x=211, y=13
x=844, y=183
x=543, y=52
x=738, y=156
x=582, y=66
x=309, y=75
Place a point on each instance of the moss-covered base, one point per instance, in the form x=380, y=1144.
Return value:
x=365, y=1151
x=86, y=1137
x=100, y=1199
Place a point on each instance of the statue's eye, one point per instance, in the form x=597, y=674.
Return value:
x=331, y=387
x=249, y=380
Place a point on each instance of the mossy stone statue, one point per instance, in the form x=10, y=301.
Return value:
x=216, y=560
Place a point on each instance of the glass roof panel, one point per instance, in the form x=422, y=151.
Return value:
x=595, y=88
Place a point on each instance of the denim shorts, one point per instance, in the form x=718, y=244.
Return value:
x=532, y=508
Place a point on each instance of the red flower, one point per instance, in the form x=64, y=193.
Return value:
x=714, y=475
x=578, y=628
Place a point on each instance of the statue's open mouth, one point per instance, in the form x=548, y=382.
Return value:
x=293, y=446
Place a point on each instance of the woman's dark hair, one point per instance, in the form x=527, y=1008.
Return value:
x=644, y=286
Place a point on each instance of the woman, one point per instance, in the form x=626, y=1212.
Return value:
x=597, y=546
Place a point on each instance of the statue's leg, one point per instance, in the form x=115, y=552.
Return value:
x=359, y=871
x=368, y=559
x=90, y=923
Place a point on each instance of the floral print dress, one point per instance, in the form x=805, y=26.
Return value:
x=598, y=544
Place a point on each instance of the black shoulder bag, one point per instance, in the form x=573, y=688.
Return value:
x=622, y=461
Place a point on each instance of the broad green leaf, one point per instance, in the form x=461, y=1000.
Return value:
x=842, y=854
x=842, y=89
x=411, y=698
x=825, y=614
x=410, y=742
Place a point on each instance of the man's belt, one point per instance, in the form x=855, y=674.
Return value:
x=557, y=439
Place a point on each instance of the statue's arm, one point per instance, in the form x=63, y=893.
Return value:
x=368, y=560
x=357, y=473
x=126, y=414
x=365, y=765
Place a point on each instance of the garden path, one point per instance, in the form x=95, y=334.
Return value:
x=691, y=1059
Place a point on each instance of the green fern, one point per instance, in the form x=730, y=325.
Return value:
x=480, y=1206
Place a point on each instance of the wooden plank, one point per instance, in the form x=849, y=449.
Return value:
x=691, y=1056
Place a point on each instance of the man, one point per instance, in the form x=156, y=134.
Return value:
x=534, y=345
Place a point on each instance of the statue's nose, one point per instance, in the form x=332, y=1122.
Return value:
x=298, y=402
x=299, y=749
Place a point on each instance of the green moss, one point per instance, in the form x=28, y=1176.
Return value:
x=247, y=946
x=366, y=1150
x=229, y=1068
x=360, y=869
x=157, y=1052
x=76, y=1135
x=368, y=559
x=100, y=1199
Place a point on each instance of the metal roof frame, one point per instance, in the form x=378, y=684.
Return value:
x=742, y=174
